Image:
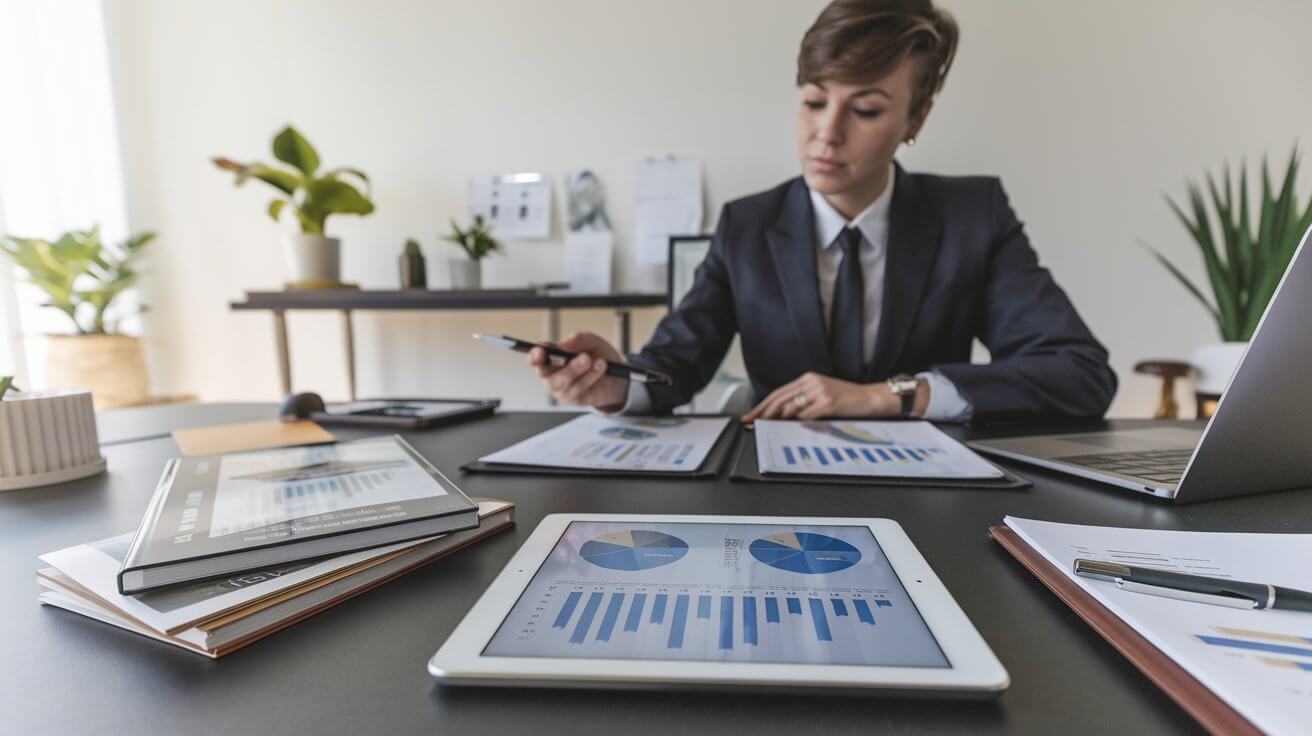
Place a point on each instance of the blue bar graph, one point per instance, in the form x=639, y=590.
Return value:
x=869, y=455
x=896, y=453
x=882, y=455
x=749, y=620
x=726, y=622
x=838, y=456
x=794, y=606
x=612, y=613
x=567, y=610
x=788, y=455
x=805, y=455
x=772, y=610
x=703, y=606
x=840, y=608
x=863, y=611
x=680, y=620
x=635, y=612
x=881, y=603
x=820, y=455
x=851, y=453
x=658, y=608
x=1260, y=646
x=819, y=619
x=585, y=620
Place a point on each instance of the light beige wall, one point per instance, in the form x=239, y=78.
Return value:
x=1090, y=112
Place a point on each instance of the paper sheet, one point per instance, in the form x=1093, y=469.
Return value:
x=516, y=205
x=599, y=442
x=669, y=202
x=588, y=262
x=1258, y=661
x=857, y=448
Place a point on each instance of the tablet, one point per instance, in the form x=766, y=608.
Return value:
x=405, y=413
x=799, y=604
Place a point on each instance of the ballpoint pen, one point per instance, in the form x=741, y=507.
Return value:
x=618, y=370
x=1196, y=588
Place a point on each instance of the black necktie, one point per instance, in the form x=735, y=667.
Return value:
x=847, y=312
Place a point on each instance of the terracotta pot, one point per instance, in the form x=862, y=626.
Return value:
x=112, y=367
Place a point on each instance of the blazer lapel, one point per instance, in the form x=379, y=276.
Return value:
x=792, y=244
x=913, y=245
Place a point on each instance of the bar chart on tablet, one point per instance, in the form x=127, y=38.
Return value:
x=751, y=593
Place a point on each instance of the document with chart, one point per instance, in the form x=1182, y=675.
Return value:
x=865, y=448
x=286, y=504
x=597, y=442
x=1257, y=661
x=732, y=592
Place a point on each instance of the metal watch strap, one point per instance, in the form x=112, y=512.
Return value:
x=904, y=387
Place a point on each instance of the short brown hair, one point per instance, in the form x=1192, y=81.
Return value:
x=858, y=40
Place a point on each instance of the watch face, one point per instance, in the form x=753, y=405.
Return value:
x=902, y=384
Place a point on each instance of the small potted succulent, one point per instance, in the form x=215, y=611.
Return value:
x=413, y=274
x=311, y=195
x=477, y=243
x=83, y=277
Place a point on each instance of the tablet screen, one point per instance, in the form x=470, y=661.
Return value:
x=798, y=594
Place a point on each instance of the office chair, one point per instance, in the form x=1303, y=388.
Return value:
x=728, y=392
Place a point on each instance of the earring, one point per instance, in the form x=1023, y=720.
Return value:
x=911, y=141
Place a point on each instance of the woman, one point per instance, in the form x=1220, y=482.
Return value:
x=858, y=287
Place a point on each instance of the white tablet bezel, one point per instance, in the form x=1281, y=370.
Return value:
x=974, y=669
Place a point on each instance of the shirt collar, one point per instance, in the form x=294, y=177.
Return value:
x=872, y=221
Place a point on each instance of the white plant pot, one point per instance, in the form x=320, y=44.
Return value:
x=313, y=258
x=47, y=437
x=466, y=273
x=1214, y=365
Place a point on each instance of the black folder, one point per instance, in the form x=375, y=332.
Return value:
x=715, y=460
x=746, y=468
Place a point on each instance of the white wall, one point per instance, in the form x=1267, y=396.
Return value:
x=1089, y=111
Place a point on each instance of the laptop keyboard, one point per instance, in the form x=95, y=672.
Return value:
x=1158, y=466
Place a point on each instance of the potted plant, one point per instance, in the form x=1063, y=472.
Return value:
x=313, y=258
x=477, y=243
x=1244, y=265
x=83, y=278
x=413, y=274
x=49, y=437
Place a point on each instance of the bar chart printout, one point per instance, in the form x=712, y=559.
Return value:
x=596, y=442
x=756, y=593
x=870, y=449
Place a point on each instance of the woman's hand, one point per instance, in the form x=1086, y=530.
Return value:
x=814, y=396
x=583, y=380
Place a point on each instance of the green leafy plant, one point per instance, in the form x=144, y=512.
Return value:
x=6, y=383
x=81, y=276
x=411, y=247
x=1243, y=266
x=476, y=240
x=310, y=194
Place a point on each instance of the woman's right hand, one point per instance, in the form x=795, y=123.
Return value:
x=583, y=380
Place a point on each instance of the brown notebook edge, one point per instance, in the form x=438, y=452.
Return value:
x=1212, y=713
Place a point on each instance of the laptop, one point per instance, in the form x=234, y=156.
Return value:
x=1259, y=438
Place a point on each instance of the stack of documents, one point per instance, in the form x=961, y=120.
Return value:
x=1259, y=662
x=868, y=449
x=215, y=617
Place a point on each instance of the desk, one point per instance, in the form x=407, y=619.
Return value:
x=349, y=300
x=360, y=667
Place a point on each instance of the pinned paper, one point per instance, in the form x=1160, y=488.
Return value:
x=515, y=205
x=588, y=262
x=669, y=202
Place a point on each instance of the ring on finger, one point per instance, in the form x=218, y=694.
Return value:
x=801, y=400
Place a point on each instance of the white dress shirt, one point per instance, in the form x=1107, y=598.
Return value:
x=945, y=402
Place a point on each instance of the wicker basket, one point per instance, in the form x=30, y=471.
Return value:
x=47, y=437
x=112, y=367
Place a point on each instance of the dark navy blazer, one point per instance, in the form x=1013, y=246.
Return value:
x=959, y=266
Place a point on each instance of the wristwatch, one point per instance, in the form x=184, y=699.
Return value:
x=904, y=387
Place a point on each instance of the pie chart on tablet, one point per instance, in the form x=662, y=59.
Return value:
x=804, y=552
x=633, y=549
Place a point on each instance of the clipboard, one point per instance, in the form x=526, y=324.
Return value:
x=747, y=469
x=1212, y=713
x=710, y=468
